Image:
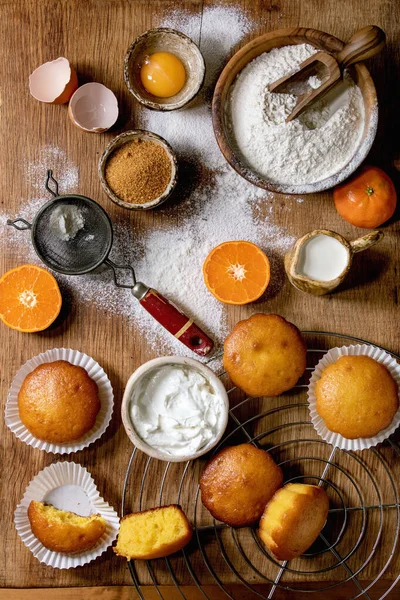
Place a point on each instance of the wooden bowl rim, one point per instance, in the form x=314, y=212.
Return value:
x=306, y=35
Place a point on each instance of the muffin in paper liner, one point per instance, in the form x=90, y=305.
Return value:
x=94, y=371
x=70, y=487
x=319, y=424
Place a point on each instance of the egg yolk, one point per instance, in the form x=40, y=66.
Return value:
x=163, y=74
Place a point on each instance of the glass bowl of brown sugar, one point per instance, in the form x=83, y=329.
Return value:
x=138, y=170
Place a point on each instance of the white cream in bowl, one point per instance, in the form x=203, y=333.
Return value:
x=175, y=408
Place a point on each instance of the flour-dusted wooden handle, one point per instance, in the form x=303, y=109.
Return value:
x=366, y=42
x=177, y=323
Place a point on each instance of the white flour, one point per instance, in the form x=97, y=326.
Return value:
x=306, y=150
x=213, y=205
x=64, y=171
x=314, y=82
x=65, y=222
x=170, y=259
x=190, y=131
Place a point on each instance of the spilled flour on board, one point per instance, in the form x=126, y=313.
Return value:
x=214, y=205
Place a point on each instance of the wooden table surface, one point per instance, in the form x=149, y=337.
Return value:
x=94, y=36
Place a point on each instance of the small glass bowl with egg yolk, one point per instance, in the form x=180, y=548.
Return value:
x=164, y=69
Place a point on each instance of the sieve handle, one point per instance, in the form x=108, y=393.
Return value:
x=177, y=323
x=54, y=182
x=114, y=267
x=24, y=224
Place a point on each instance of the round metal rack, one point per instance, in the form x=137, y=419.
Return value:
x=359, y=545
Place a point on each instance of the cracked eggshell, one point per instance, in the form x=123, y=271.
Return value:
x=53, y=82
x=93, y=108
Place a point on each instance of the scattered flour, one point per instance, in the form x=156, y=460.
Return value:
x=306, y=150
x=190, y=131
x=213, y=205
x=170, y=259
x=65, y=172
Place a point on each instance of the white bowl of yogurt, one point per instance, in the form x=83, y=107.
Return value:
x=174, y=408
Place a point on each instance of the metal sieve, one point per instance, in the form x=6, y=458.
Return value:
x=90, y=248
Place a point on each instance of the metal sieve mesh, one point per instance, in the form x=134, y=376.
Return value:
x=84, y=252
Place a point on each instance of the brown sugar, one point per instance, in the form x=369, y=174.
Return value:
x=139, y=171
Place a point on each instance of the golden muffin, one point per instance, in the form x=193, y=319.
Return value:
x=153, y=533
x=58, y=402
x=293, y=519
x=237, y=483
x=356, y=397
x=64, y=531
x=265, y=355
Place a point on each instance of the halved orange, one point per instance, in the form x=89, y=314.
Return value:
x=30, y=299
x=236, y=272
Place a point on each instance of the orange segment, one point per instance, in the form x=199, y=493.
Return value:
x=236, y=272
x=30, y=299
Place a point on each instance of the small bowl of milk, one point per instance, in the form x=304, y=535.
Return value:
x=320, y=260
x=175, y=408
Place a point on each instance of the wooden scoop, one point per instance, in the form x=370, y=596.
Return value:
x=365, y=43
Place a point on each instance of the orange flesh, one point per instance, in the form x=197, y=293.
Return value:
x=236, y=272
x=30, y=299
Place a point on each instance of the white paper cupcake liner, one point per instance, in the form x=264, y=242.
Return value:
x=94, y=371
x=319, y=424
x=85, y=501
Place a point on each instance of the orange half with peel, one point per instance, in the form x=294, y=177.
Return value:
x=30, y=299
x=236, y=272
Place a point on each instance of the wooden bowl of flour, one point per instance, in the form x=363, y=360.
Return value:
x=224, y=131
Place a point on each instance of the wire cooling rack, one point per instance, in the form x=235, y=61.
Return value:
x=358, y=545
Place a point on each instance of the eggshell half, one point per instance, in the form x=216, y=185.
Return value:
x=93, y=108
x=53, y=82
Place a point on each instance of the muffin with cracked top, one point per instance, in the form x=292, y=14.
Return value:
x=357, y=397
x=237, y=483
x=58, y=402
x=265, y=355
